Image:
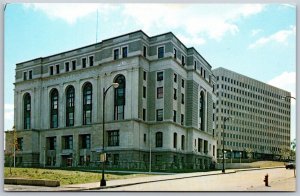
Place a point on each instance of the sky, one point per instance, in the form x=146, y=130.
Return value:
x=256, y=40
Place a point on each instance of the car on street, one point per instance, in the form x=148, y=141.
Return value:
x=290, y=165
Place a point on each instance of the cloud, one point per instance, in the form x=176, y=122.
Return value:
x=8, y=116
x=69, y=12
x=279, y=37
x=286, y=81
x=254, y=32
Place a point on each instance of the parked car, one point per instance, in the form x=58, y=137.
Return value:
x=290, y=165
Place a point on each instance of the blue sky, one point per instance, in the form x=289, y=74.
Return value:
x=256, y=40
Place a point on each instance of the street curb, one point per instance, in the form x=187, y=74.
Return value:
x=33, y=182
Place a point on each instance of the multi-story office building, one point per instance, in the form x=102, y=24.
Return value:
x=260, y=118
x=162, y=110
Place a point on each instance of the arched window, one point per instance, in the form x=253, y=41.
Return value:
x=70, y=100
x=119, y=98
x=202, y=110
x=175, y=140
x=54, y=108
x=159, y=139
x=27, y=111
x=87, y=103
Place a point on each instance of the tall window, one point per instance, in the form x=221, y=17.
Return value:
x=87, y=103
x=25, y=76
x=120, y=98
x=83, y=62
x=182, y=60
x=160, y=92
x=159, y=114
x=145, y=51
x=51, y=143
x=175, y=53
x=70, y=100
x=113, y=138
x=27, y=111
x=175, y=140
x=67, y=142
x=91, y=61
x=67, y=66
x=30, y=74
x=20, y=143
x=159, y=139
x=116, y=54
x=201, y=110
x=54, y=109
x=124, y=52
x=160, y=52
x=160, y=76
x=182, y=142
x=74, y=65
x=85, y=141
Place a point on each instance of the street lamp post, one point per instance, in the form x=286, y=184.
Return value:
x=115, y=85
x=224, y=120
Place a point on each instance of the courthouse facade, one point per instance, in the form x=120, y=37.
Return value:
x=260, y=116
x=162, y=110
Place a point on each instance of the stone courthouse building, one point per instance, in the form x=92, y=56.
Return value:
x=161, y=112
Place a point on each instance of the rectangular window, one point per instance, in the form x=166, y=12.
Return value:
x=182, y=142
x=91, y=61
x=144, y=92
x=175, y=53
x=145, y=75
x=74, y=65
x=145, y=137
x=182, y=98
x=57, y=69
x=160, y=52
x=144, y=114
x=113, y=138
x=160, y=76
x=175, y=78
x=51, y=70
x=195, y=65
x=83, y=62
x=30, y=74
x=145, y=51
x=116, y=54
x=85, y=141
x=25, y=75
x=159, y=115
x=160, y=92
x=67, y=142
x=175, y=94
x=174, y=115
x=182, y=60
x=67, y=66
x=51, y=143
x=124, y=52
x=19, y=143
x=182, y=83
x=182, y=119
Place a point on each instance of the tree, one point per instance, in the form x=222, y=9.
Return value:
x=284, y=153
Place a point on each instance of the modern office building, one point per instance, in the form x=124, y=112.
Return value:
x=259, y=117
x=162, y=111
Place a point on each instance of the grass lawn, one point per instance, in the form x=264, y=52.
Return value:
x=65, y=177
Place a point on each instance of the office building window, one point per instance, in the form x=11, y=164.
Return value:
x=57, y=69
x=24, y=75
x=20, y=143
x=67, y=142
x=70, y=106
x=116, y=54
x=160, y=52
x=182, y=119
x=74, y=65
x=174, y=115
x=85, y=141
x=159, y=114
x=160, y=92
x=51, y=143
x=182, y=98
x=202, y=110
x=145, y=51
x=182, y=60
x=160, y=76
x=145, y=137
x=54, y=108
x=51, y=70
x=144, y=92
x=182, y=83
x=30, y=74
x=182, y=142
x=83, y=62
x=119, y=97
x=91, y=61
x=145, y=75
x=195, y=65
x=175, y=94
x=87, y=103
x=124, y=52
x=175, y=140
x=175, y=77
x=113, y=138
x=67, y=66
x=159, y=139
x=175, y=53
x=27, y=111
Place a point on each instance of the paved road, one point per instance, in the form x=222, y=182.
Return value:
x=279, y=180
